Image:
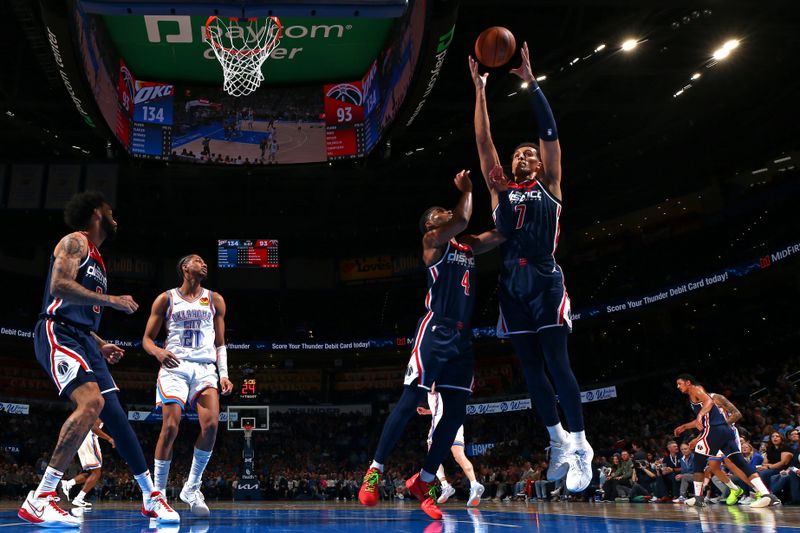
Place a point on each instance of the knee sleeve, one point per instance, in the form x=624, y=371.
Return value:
x=403, y=411
x=554, y=347
x=116, y=424
x=541, y=391
x=743, y=464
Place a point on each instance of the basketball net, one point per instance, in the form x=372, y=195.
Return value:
x=242, y=48
x=248, y=433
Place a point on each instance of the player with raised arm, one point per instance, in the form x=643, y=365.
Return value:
x=534, y=305
x=716, y=435
x=194, y=359
x=76, y=359
x=434, y=409
x=91, y=458
x=442, y=351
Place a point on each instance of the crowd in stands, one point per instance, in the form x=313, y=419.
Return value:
x=323, y=456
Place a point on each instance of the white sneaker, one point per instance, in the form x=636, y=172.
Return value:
x=475, y=494
x=87, y=506
x=679, y=499
x=66, y=486
x=156, y=506
x=196, y=500
x=747, y=500
x=579, y=474
x=559, y=460
x=446, y=493
x=43, y=511
x=767, y=500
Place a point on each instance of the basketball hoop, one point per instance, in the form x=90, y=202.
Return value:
x=241, y=49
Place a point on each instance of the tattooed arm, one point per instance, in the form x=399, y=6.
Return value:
x=732, y=414
x=69, y=254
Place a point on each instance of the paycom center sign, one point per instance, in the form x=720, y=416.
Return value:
x=170, y=47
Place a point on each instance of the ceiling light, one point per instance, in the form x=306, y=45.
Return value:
x=731, y=44
x=629, y=45
x=721, y=53
x=599, y=47
x=524, y=85
x=696, y=75
x=541, y=78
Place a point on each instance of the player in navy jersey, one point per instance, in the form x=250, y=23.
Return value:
x=74, y=356
x=442, y=350
x=716, y=435
x=534, y=305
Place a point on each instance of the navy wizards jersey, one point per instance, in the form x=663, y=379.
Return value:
x=451, y=290
x=532, y=232
x=714, y=416
x=92, y=276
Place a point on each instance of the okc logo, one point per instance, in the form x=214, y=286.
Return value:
x=345, y=92
x=62, y=368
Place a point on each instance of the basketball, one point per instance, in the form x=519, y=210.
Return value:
x=495, y=46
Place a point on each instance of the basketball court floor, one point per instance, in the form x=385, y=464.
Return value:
x=491, y=517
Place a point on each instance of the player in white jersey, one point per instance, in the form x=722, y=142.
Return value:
x=91, y=459
x=476, y=489
x=193, y=360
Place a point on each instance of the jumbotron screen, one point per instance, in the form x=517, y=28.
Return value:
x=247, y=253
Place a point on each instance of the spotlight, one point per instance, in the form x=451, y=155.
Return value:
x=524, y=85
x=721, y=53
x=542, y=77
x=600, y=47
x=731, y=44
x=629, y=45
x=696, y=75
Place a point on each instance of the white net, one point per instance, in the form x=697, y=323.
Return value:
x=241, y=48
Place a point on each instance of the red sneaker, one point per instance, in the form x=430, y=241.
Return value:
x=422, y=491
x=368, y=494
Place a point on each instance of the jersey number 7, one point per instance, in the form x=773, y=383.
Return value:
x=520, y=209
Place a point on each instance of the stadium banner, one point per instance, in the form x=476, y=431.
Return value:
x=15, y=408
x=364, y=409
x=669, y=292
x=475, y=449
x=366, y=268
x=594, y=395
x=156, y=416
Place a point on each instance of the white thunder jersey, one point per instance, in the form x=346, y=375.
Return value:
x=190, y=327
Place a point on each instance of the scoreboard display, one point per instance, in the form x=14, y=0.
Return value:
x=344, y=121
x=150, y=141
x=247, y=253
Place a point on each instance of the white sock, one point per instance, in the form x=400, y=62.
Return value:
x=145, y=483
x=199, y=463
x=698, y=488
x=474, y=483
x=81, y=495
x=731, y=485
x=161, y=474
x=578, y=437
x=49, y=481
x=441, y=476
x=759, y=485
x=376, y=464
x=557, y=433
x=68, y=484
x=427, y=477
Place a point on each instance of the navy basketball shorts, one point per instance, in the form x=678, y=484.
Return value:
x=532, y=297
x=70, y=357
x=716, y=439
x=442, y=354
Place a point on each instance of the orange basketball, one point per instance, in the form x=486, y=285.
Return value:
x=495, y=46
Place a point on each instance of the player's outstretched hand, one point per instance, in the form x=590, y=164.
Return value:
x=423, y=411
x=227, y=386
x=167, y=359
x=123, y=303
x=112, y=353
x=678, y=431
x=477, y=78
x=462, y=181
x=524, y=70
x=497, y=180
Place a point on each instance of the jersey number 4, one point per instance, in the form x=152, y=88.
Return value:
x=520, y=209
x=465, y=282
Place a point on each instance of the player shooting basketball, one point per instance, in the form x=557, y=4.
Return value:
x=534, y=305
x=193, y=360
